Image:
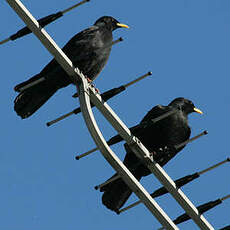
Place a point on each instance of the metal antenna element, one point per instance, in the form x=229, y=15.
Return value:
x=87, y=94
x=225, y=197
x=117, y=41
x=74, y=6
x=105, y=96
x=138, y=79
x=42, y=22
x=192, y=139
x=202, y=208
x=117, y=138
x=31, y=84
x=107, y=182
x=163, y=116
x=179, y=183
x=225, y=228
x=214, y=166
x=4, y=41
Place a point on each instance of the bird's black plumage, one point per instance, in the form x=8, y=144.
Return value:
x=89, y=50
x=167, y=132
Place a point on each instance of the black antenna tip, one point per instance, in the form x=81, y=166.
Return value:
x=96, y=187
x=121, y=39
x=77, y=158
x=48, y=124
x=150, y=73
x=205, y=132
x=228, y=159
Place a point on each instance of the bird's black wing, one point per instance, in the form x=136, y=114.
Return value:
x=160, y=135
x=146, y=122
x=77, y=49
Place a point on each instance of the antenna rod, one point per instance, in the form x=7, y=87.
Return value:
x=115, y=139
x=135, y=129
x=42, y=22
x=105, y=96
x=202, y=208
x=225, y=228
x=107, y=182
x=191, y=139
x=214, y=166
x=74, y=6
x=179, y=183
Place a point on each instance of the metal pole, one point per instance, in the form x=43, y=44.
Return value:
x=117, y=91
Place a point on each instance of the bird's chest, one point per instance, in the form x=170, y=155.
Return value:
x=96, y=55
x=171, y=131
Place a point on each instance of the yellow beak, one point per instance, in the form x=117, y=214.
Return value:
x=122, y=25
x=197, y=111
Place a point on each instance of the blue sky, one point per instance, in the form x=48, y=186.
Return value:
x=184, y=43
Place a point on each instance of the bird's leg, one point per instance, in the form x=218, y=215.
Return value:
x=90, y=82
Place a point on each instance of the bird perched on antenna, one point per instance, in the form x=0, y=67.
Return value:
x=160, y=139
x=89, y=50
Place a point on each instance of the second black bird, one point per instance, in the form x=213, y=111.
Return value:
x=89, y=50
x=160, y=139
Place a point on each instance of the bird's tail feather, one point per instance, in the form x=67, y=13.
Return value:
x=31, y=99
x=116, y=193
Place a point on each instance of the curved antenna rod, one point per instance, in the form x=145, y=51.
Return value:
x=42, y=22
x=105, y=96
x=114, y=161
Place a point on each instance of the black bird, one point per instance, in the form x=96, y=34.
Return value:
x=160, y=139
x=89, y=50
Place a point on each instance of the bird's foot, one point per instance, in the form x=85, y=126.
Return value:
x=89, y=80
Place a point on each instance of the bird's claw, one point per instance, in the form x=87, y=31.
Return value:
x=89, y=80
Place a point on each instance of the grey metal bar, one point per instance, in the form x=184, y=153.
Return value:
x=74, y=6
x=214, y=166
x=107, y=182
x=191, y=139
x=78, y=109
x=153, y=121
x=199, y=173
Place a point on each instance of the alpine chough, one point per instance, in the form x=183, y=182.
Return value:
x=89, y=50
x=160, y=139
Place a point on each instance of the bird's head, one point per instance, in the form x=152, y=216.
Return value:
x=185, y=105
x=110, y=23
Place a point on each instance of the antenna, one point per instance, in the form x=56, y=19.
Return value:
x=105, y=96
x=87, y=93
x=42, y=22
x=179, y=183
